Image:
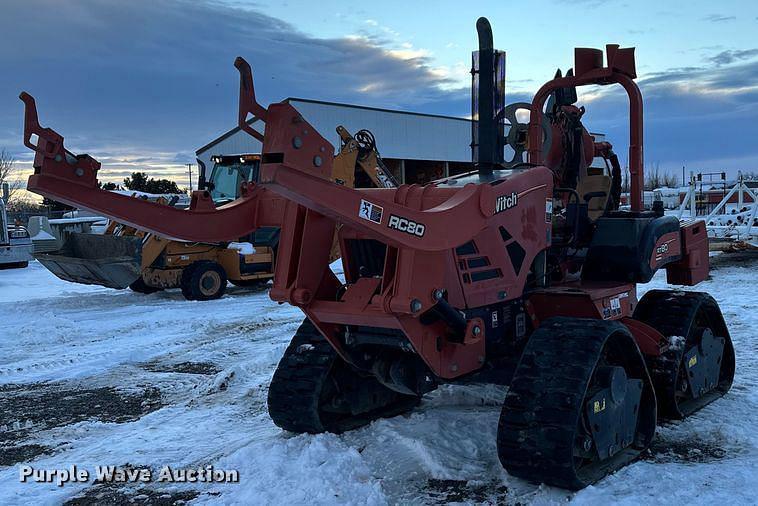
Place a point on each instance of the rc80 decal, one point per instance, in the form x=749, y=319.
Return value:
x=405, y=225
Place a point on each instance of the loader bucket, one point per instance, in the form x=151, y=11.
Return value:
x=93, y=259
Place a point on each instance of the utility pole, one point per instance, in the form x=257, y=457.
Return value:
x=189, y=168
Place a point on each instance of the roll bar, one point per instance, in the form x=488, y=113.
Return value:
x=588, y=70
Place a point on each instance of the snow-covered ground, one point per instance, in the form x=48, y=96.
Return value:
x=92, y=376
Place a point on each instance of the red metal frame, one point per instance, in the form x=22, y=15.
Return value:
x=588, y=70
x=72, y=179
x=694, y=264
x=415, y=266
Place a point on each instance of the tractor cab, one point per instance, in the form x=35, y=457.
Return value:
x=229, y=171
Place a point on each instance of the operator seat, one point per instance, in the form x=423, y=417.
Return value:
x=571, y=159
x=594, y=188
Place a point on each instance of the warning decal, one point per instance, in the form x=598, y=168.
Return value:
x=370, y=212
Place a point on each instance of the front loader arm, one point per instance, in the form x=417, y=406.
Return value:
x=72, y=179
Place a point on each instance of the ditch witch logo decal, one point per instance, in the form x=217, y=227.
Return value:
x=505, y=202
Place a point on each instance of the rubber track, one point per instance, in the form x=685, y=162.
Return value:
x=294, y=393
x=541, y=411
x=672, y=313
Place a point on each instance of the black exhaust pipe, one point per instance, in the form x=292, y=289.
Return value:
x=201, y=181
x=487, y=100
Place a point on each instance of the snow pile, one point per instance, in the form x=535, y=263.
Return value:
x=677, y=342
x=314, y=470
x=245, y=248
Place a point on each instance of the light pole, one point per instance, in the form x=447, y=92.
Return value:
x=189, y=168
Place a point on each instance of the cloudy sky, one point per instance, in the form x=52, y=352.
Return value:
x=142, y=84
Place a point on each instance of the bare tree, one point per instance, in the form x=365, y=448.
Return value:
x=657, y=178
x=670, y=180
x=653, y=177
x=23, y=202
x=9, y=173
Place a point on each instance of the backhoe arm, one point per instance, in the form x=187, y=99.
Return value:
x=72, y=179
x=368, y=158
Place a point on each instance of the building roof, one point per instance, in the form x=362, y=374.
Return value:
x=378, y=109
x=401, y=135
x=236, y=129
x=222, y=137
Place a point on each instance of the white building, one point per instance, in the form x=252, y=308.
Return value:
x=416, y=147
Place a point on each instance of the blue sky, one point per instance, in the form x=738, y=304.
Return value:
x=142, y=84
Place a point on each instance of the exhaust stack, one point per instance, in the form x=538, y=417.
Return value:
x=487, y=101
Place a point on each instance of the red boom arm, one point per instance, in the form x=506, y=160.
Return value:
x=72, y=179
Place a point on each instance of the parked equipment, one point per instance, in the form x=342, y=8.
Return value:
x=15, y=243
x=124, y=257
x=525, y=275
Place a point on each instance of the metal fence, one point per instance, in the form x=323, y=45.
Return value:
x=22, y=217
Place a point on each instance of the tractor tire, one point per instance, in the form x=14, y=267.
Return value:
x=580, y=406
x=204, y=280
x=140, y=286
x=314, y=390
x=697, y=338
